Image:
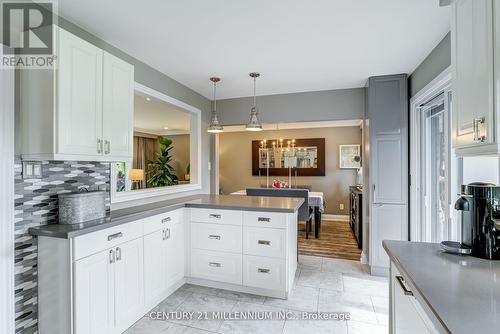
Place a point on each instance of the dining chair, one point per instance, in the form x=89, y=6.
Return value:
x=305, y=212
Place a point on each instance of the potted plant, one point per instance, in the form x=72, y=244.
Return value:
x=160, y=172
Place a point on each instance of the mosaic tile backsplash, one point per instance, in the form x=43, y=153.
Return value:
x=36, y=204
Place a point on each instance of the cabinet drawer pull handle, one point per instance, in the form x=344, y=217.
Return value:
x=212, y=236
x=476, y=131
x=118, y=253
x=264, y=242
x=115, y=236
x=215, y=264
x=111, y=256
x=406, y=291
x=107, y=147
x=166, y=220
x=99, y=145
x=264, y=219
x=264, y=271
x=213, y=215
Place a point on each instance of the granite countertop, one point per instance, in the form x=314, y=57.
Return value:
x=122, y=216
x=461, y=294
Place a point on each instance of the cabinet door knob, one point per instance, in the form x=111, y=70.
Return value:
x=264, y=219
x=264, y=271
x=216, y=216
x=264, y=242
x=215, y=264
x=476, y=130
x=111, y=256
x=213, y=236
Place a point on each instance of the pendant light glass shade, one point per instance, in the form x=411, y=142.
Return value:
x=215, y=126
x=254, y=123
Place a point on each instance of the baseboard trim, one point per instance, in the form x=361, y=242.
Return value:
x=379, y=271
x=337, y=218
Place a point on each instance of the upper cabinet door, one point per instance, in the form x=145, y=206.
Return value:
x=79, y=96
x=118, y=107
x=472, y=59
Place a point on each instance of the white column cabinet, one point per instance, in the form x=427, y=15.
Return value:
x=82, y=110
x=154, y=267
x=475, y=45
x=94, y=294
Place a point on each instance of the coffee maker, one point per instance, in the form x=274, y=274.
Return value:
x=479, y=204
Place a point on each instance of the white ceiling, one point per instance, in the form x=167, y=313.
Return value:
x=154, y=116
x=297, y=45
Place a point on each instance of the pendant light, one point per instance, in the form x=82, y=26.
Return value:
x=215, y=126
x=254, y=124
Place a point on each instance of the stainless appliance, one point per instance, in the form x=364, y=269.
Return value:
x=479, y=204
x=77, y=208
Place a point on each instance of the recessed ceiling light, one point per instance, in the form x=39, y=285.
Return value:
x=148, y=99
x=165, y=128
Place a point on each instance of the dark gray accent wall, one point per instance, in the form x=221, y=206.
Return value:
x=436, y=62
x=329, y=105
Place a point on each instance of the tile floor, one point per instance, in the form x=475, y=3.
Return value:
x=321, y=285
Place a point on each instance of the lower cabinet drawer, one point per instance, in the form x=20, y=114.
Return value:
x=213, y=237
x=265, y=273
x=264, y=242
x=95, y=242
x=264, y=219
x=216, y=266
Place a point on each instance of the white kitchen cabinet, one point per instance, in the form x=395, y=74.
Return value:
x=94, y=287
x=163, y=255
x=406, y=314
x=109, y=289
x=82, y=110
x=475, y=46
x=129, y=284
x=118, y=107
x=389, y=222
x=154, y=268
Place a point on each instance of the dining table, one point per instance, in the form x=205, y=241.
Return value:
x=316, y=201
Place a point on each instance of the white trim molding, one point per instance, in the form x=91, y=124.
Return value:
x=441, y=83
x=7, y=313
x=195, y=154
x=337, y=218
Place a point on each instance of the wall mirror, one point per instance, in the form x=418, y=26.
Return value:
x=166, y=149
x=301, y=157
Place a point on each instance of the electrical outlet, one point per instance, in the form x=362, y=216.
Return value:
x=341, y=206
x=32, y=170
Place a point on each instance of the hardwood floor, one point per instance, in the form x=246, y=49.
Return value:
x=336, y=240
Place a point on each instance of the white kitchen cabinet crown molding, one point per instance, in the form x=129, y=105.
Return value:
x=195, y=154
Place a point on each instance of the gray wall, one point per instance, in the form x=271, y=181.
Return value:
x=435, y=63
x=342, y=104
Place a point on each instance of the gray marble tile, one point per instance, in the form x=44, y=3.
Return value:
x=192, y=330
x=241, y=297
x=302, y=298
x=173, y=301
x=355, y=327
x=310, y=262
x=149, y=326
x=366, y=285
x=271, y=326
x=315, y=326
x=202, y=304
x=200, y=289
x=381, y=306
x=359, y=307
x=318, y=279
x=343, y=266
